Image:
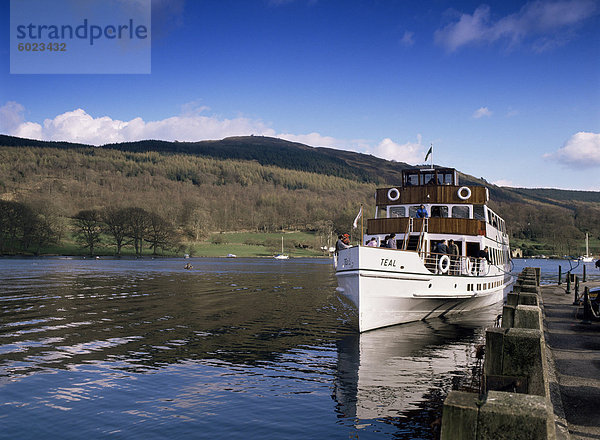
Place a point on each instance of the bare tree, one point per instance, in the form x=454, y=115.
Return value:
x=138, y=222
x=116, y=225
x=160, y=233
x=88, y=225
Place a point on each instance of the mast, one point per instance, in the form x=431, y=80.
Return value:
x=587, y=244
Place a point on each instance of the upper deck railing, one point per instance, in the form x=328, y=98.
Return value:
x=437, y=225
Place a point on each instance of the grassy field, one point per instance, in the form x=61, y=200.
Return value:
x=255, y=244
x=241, y=244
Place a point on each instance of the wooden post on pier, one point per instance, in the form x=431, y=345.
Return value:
x=584, y=273
x=568, y=292
x=576, y=289
x=559, y=274
x=587, y=312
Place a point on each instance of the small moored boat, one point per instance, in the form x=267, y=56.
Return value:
x=587, y=258
x=281, y=256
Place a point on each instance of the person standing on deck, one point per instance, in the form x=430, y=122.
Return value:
x=342, y=243
x=442, y=247
x=422, y=212
x=391, y=242
x=454, y=255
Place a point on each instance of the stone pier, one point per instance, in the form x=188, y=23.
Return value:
x=515, y=402
x=541, y=372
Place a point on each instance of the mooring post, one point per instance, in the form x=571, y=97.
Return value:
x=568, y=292
x=587, y=312
x=584, y=273
x=559, y=274
x=576, y=289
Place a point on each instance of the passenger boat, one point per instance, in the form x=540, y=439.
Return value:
x=414, y=282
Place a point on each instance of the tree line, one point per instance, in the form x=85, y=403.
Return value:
x=121, y=227
x=23, y=229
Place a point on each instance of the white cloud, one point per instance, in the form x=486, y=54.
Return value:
x=582, y=150
x=192, y=125
x=503, y=182
x=11, y=116
x=79, y=126
x=481, y=112
x=313, y=139
x=544, y=24
x=409, y=152
x=408, y=39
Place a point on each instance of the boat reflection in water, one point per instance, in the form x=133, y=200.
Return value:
x=406, y=370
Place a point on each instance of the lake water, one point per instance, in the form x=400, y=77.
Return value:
x=234, y=348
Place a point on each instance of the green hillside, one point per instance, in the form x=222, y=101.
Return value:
x=254, y=183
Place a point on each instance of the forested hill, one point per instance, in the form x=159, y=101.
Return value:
x=328, y=161
x=264, y=150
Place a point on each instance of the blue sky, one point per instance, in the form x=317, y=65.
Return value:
x=508, y=91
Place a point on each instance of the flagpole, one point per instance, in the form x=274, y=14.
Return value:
x=361, y=224
x=431, y=155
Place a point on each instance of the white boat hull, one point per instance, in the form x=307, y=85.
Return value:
x=390, y=287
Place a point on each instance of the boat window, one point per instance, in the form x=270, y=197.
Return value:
x=411, y=180
x=478, y=212
x=446, y=178
x=461, y=212
x=439, y=211
x=427, y=179
x=412, y=211
x=396, y=211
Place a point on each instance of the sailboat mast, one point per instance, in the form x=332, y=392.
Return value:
x=587, y=244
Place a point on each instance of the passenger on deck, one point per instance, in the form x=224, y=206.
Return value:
x=372, y=242
x=384, y=241
x=343, y=242
x=422, y=212
x=391, y=242
x=453, y=248
x=442, y=247
x=484, y=254
x=454, y=256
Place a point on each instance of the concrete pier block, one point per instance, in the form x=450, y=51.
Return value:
x=512, y=299
x=528, y=317
x=513, y=417
x=494, y=348
x=523, y=356
x=508, y=316
x=529, y=289
x=459, y=418
x=528, y=299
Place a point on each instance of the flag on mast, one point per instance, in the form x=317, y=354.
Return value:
x=355, y=224
x=428, y=153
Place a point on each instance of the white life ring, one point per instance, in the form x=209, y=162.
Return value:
x=394, y=197
x=467, y=268
x=444, y=264
x=464, y=196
